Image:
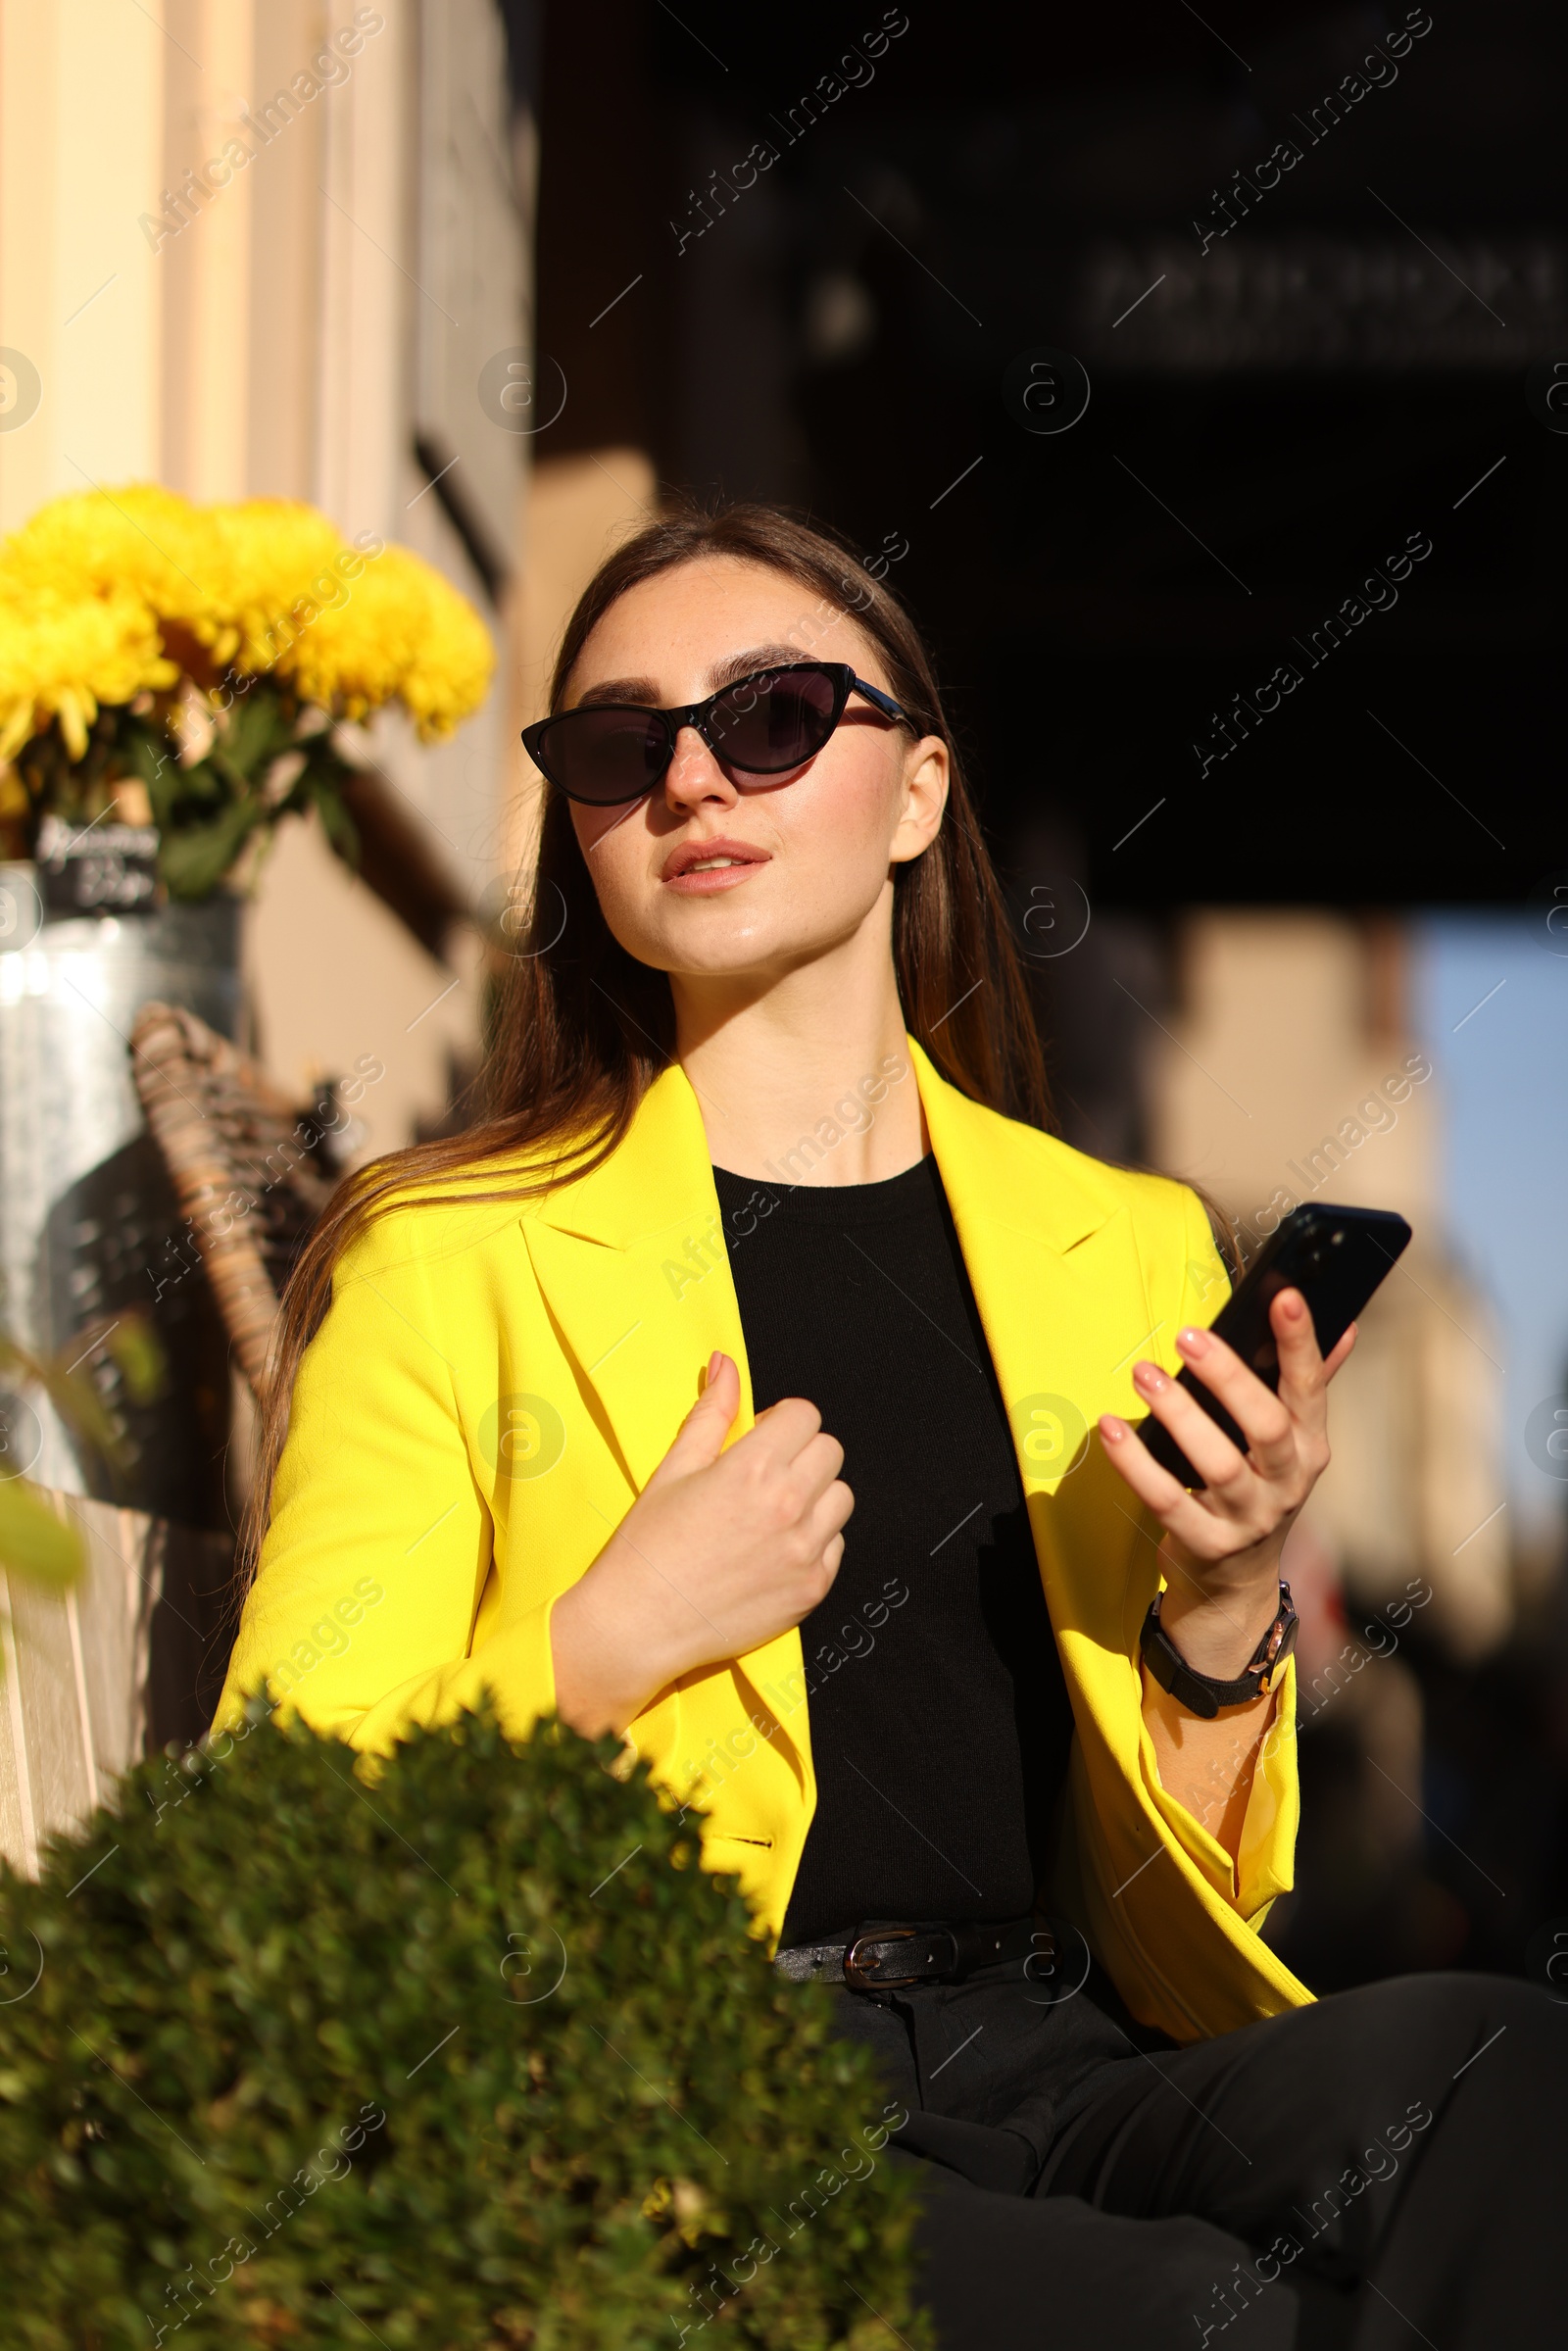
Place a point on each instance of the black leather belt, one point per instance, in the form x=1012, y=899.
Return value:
x=885, y=1956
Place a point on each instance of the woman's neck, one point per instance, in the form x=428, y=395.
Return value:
x=808, y=1081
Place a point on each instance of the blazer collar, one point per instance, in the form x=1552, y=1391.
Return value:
x=633, y=1263
x=659, y=1173
x=662, y=1171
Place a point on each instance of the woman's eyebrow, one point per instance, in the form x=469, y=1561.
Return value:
x=639, y=690
x=645, y=693
x=759, y=656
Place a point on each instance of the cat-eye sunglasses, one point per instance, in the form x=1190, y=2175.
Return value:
x=607, y=754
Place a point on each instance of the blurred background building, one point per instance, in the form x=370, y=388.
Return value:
x=1193, y=379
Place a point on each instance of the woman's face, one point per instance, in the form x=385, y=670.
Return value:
x=813, y=850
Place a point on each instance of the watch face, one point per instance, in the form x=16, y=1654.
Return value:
x=1282, y=1640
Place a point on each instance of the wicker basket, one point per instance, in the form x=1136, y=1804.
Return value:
x=251, y=1168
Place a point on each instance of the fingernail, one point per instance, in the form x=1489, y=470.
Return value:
x=1111, y=1429
x=1295, y=1304
x=1191, y=1341
x=713, y=1362
x=1149, y=1376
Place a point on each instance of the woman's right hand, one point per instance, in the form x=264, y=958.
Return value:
x=720, y=1551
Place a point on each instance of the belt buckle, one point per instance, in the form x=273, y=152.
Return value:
x=855, y=1968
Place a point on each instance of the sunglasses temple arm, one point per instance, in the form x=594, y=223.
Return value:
x=880, y=701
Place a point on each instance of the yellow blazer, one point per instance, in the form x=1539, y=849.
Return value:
x=494, y=1382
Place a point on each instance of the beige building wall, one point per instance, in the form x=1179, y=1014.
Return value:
x=1288, y=1074
x=81, y=297
x=1288, y=1023
x=273, y=346
x=580, y=507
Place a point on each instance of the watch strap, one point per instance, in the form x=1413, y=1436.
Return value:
x=1201, y=1693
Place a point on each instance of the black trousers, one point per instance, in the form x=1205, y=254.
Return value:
x=1384, y=2168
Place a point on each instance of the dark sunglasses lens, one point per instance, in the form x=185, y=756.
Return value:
x=766, y=725
x=605, y=756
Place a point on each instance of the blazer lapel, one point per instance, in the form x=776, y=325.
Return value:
x=1060, y=1291
x=633, y=1266
x=1056, y=1275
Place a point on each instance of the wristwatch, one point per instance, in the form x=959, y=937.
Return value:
x=1200, y=1693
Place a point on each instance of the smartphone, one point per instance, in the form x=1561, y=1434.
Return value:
x=1336, y=1258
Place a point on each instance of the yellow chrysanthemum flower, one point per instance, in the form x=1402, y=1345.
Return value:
x=450, y=674
x=102, y=590
x=399, y=632
x=352, y=655
x=63, y=655
x=280, y=554
x=138, y=539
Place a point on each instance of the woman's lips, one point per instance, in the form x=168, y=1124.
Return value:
x=702, y=869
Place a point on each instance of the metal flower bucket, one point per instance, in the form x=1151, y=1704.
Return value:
x=88, y=1222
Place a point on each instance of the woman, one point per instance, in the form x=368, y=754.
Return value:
x=767, y=1230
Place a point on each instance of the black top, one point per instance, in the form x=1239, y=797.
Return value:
x=939, y=1716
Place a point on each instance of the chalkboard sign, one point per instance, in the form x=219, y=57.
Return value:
x=97, y=868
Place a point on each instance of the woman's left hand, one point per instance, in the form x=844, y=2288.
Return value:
x=1222, y=1546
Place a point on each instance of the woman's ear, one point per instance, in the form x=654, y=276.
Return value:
x=926, y=771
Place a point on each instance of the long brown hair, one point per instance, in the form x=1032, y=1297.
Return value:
x=581, y=1028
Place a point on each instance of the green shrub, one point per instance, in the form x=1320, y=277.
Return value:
x=470, y=2054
